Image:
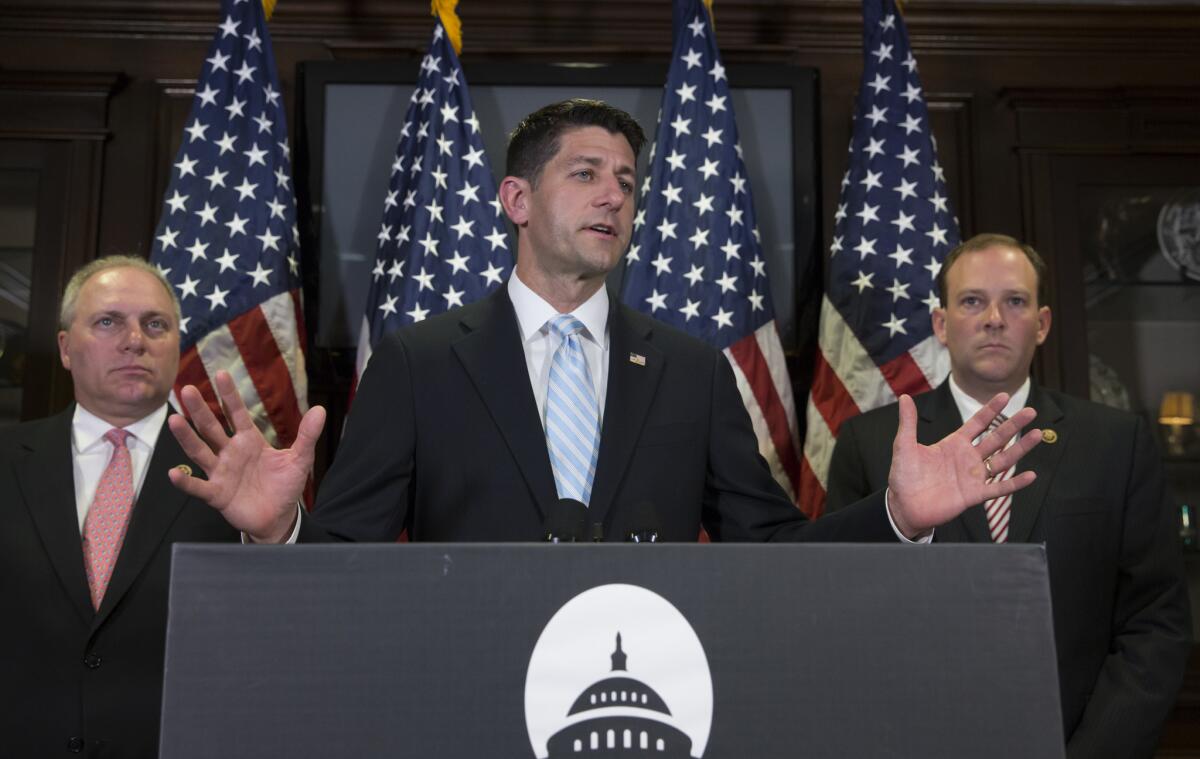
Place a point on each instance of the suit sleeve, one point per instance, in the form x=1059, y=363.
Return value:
x=367, y=493
x=1151, y=640
x=744, y=502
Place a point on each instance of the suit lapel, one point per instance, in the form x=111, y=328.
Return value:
x=631, y=389
x=491, y=354
x=157, y=507
x=47, y=482
x=1043, y=460
x=939, y=416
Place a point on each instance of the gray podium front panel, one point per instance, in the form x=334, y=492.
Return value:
x=511, y=651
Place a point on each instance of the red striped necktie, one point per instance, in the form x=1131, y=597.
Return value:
x=998, y=509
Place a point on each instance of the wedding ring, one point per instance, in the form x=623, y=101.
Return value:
x=987, y=464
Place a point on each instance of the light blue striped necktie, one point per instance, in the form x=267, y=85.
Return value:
x=572, y=417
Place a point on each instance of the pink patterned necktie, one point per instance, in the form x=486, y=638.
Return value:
x=998, y=509
x=106, y=521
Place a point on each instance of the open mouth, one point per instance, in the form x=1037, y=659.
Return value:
x=604, y=229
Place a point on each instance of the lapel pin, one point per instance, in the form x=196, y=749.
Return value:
x=637, y=358
x=187, y=470
x=1049, y=436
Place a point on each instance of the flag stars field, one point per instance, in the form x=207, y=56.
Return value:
x=445, y=222
x=694, y=258
x=227, y=240
x=875, y=337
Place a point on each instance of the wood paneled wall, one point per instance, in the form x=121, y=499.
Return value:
x=970, y=53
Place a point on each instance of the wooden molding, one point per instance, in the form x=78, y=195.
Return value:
x=585, y=29
x=54, y=104
x=1083, y=119
x=952, y=119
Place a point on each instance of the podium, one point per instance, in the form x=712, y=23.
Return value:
x=510, y=651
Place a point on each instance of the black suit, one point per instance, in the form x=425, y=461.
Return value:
x=444, y=440
x=72, y=672
x=1121, y=616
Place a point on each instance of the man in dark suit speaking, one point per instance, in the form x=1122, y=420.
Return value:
x=1120, y=604
x=471, y=425
x=87, y=519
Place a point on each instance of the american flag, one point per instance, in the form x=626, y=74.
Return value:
x=696, y=261
x=227, y=237
x=892, y=229
x=443, y=241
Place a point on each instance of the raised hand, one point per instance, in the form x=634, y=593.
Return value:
x=254, y=486
x=930, y=485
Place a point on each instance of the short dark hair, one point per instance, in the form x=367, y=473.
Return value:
x=991, y=240
x=536, y=139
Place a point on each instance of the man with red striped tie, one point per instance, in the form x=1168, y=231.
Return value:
x=1121, y=617
x=87, y=522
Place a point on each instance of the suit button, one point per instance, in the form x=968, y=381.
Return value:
x=92, y=661
x=75, y=745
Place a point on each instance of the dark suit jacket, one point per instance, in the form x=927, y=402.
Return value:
x=71, y=672
x=1121, y=615
x=444, y=440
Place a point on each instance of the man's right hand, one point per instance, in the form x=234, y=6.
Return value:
x=254, y=486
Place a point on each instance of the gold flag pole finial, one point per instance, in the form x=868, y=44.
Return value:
x=268, y=8
x=712, y=19
x=444, y=10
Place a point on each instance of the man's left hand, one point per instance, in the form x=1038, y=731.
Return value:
x=930, y=485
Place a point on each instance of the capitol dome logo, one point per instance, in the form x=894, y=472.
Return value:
x=618, y=671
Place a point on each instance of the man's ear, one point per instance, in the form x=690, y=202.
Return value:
x=938, y=319
x=64, y=341
x=1044, y=319
x=514, y=196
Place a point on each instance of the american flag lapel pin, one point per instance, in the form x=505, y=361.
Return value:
x=637, y=358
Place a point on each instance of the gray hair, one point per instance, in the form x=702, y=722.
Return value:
x=70, y=297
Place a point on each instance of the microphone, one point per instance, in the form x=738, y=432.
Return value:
x=645, y=523
x=564, y=521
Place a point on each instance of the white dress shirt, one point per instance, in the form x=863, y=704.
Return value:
x=968, y=406
x=540, y=344
x=90, y=452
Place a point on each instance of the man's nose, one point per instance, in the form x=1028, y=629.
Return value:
x=135, y=338
x=994, y=317
x=613, y=193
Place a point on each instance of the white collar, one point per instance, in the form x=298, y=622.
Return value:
x=967, y=406
x=533, y=311
x=87, y=429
